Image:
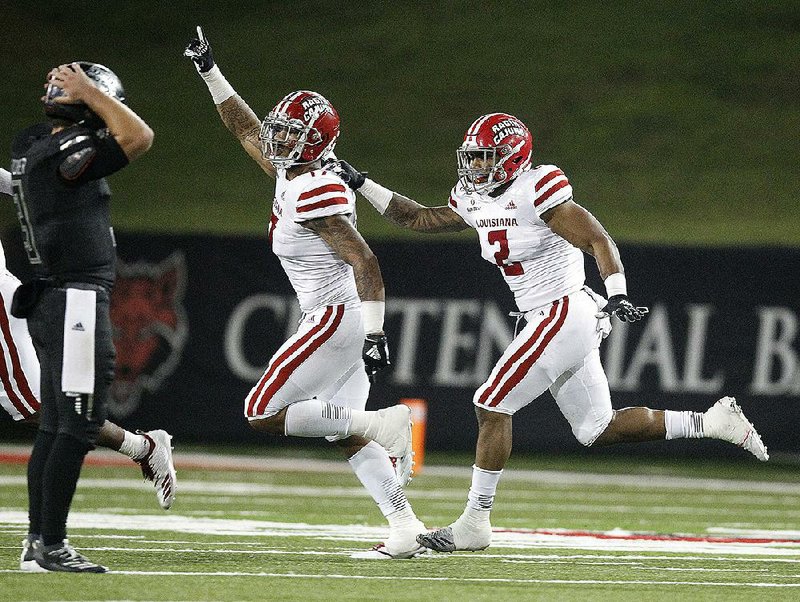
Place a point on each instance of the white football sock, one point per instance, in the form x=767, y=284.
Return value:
x=375, y=471
x=360, y=422
x=483, y=488
x=315, y=418
x=134, y=446
x=681, y=425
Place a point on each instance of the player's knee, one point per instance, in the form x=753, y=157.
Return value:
x=589, y=434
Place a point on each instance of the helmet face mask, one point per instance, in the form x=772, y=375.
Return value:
x=102, y=78
x=496, y=149
x=301, y=129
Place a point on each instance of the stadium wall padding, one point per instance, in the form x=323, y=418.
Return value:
x=198, y=317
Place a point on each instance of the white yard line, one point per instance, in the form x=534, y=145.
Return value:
x=443, y=579
x=520, y=539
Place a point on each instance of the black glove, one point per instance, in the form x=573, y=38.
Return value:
x=349, y=174
x=620, y=306
x=375, y=354
x=199, y=50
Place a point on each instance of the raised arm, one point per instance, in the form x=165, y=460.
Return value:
x=398, y=209
x=237, y=116
x=130, y=131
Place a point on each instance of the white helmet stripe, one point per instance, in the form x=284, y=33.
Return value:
x=281, y=108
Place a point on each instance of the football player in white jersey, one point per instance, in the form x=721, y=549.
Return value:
x=316, y=384
x=529, y=226
x=19, y=396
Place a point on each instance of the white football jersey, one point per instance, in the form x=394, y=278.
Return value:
x=538, y=265
x=318, y=275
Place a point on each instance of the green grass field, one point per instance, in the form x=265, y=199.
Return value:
x=583, y=528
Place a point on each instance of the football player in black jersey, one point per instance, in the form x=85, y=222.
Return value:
x=58, y=173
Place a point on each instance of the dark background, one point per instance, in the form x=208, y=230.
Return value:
x=676, y=122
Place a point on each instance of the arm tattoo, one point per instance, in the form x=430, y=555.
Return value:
x=406, y=213
x=351, y=248
x=240, y=119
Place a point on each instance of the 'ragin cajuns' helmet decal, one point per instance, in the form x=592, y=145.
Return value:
x=302, y=128
x=149, y=325
x=503, y=143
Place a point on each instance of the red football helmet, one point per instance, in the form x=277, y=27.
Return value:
x=496, y=149
x=302, y=128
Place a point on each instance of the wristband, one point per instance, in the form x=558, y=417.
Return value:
x=376, y=194
x=219, y=87
x=615, y=284
x=5, y=182
x=372, y=316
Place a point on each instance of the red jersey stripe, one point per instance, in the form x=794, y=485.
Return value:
x=518, y=354
x=285, y=372
x=527, y=363
x=28, y=404
x=452, y=203
x=540, y=184
x=555, y=187
x=321, y=190
x=336, y=200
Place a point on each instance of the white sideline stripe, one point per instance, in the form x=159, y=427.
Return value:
x=214, y=490
x=266, y=463
x=370, y=534
x=440, y=579
x=255, y=488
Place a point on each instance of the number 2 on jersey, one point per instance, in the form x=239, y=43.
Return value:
x=510, y=268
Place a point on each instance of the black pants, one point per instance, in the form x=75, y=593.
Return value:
x=68, y=425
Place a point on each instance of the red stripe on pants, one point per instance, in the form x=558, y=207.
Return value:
x=19, y=376
x=526, y=365
x=286, y=371
x=519, y=353
x=276, y=361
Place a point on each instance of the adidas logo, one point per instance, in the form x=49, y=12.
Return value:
x=510, y=205
x=79, y=327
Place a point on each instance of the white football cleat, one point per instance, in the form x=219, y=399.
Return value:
x=27, y=561
x=391, y=429
x=157, y=466
x=401, y=544
x=726, y=421
x=403, y=468
x=464, y=534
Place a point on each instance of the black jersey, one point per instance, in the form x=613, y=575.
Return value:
x=62, y=201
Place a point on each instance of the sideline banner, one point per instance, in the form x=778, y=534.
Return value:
x=197, y=317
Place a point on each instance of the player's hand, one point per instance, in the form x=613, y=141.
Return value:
x=349, y=174
x=67, y=84
x=375, y=354
x=620, y=306
x=199, y=50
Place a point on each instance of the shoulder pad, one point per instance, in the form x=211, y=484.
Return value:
x=76, y=163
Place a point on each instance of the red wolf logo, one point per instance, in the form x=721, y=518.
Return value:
x=150, y=328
